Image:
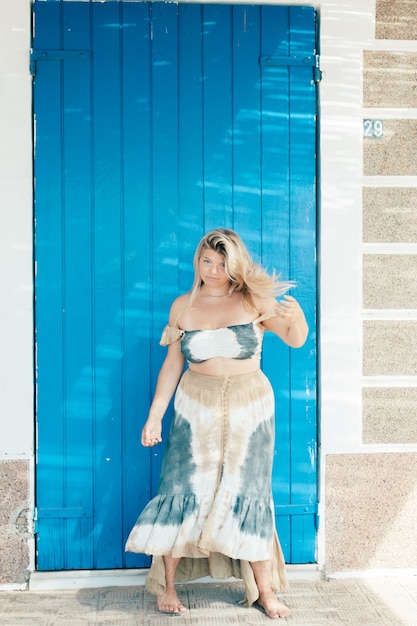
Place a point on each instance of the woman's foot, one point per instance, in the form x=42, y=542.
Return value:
x=169, y=602
x=272, y=607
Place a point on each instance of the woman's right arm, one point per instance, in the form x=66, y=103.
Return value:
x=168, y=378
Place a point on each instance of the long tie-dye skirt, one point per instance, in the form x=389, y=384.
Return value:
x=214, y=506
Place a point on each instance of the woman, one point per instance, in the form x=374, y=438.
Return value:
x=214, y=512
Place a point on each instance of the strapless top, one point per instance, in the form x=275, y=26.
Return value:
x=240, y=341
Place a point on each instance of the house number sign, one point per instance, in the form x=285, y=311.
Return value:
x=373, y=129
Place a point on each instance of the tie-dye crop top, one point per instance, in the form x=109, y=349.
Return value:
x=241, y=341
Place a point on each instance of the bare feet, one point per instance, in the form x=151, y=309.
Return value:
x=272, y=607
x=169, y=602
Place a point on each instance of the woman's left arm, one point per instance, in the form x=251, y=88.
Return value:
x=290, y=323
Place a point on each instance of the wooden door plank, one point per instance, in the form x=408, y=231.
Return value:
x=247, y=136
x=275, y=243
x=191, y=139
x=303, y=248
x=217, y=73
x=165, y=210
x=77, y=271
x=49, y=289
x=136, y=265
x=107, y=289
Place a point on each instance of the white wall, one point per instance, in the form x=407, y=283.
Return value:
x=347, y=28
x=16, y=334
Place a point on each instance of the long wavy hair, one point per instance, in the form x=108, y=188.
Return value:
x=244, y=274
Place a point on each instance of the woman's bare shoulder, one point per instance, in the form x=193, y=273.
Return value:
x=264, y=305
x=179, y=305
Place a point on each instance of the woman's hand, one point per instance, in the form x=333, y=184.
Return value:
x=289, y=310
x=152, y=432
x=289, y=322
x=291, y=314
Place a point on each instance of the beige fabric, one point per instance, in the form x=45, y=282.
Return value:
x=170, y=334
x=218, y=567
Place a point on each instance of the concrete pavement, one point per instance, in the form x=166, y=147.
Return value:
x=360, y=602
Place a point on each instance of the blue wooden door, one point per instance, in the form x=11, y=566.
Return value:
x=154, y=123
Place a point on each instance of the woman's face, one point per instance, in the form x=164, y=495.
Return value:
x=212, y=268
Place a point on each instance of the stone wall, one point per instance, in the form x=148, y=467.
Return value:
x=371, y=511
x=390, y=221
x=14, y=522
x=371, y=498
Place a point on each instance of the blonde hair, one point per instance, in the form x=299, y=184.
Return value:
x=243, y=273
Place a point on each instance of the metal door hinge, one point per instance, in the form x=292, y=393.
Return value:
x=56, y=55
x=312, y=60
x=296, y=509
x=35, y=520
x=63, y=513
x=317, y=74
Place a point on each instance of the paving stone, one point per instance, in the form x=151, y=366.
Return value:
x=358, y=602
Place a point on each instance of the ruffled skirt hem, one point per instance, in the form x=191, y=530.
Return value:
x=187, y=525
